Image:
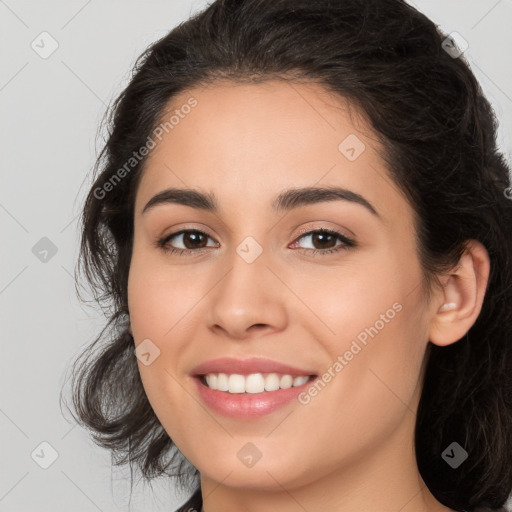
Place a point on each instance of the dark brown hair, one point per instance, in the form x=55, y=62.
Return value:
x=439, y=132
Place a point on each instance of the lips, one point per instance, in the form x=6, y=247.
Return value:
x=248, y=405
x=230, y=365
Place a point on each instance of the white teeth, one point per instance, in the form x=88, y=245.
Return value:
x=222, y=382
x=211, y=380
x=253, y=383
x=286, y=382
x=236, y=383
x=272, y=382
x=299, y=381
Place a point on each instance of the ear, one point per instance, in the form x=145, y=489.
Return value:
x=457, y=306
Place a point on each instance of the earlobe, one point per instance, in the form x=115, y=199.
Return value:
x=460, y=301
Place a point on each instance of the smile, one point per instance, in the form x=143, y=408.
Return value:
x=253, y=383
x=235, y=403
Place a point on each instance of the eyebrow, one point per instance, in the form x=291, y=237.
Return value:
x=285, y=201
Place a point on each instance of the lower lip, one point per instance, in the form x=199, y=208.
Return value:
x=248, y=405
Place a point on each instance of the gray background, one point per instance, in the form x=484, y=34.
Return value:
x=50, y=110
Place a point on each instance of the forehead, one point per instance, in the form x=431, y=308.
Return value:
x=248, y=141
x=268, y=119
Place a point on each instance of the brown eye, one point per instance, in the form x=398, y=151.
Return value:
x=191, y=240
x=325, y=241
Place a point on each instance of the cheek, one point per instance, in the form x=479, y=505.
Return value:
x=383, y=357
x=159, y=296
x=376, y=334
x=156, y=303
x=351, y=298
x=370, y=385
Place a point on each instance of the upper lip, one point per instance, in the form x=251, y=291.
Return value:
x=247, y=366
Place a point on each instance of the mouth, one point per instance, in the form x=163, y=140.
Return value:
x=254, y=383
x=247, y=389
x=250, y=396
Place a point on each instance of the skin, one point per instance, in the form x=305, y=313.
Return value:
x=351, y=447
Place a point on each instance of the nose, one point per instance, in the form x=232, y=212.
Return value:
x=249, y=299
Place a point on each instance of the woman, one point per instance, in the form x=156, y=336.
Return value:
x=301, y=224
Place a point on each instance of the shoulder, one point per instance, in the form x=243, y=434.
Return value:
x=194, y=504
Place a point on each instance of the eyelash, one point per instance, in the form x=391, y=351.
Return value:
x=347, y=242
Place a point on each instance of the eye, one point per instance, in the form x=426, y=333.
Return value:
x=324, y=238
x=193, y=240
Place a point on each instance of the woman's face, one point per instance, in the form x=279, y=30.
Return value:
x=352, y=314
